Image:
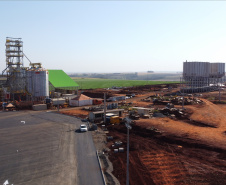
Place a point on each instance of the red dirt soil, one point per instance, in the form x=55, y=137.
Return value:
x=166, y=151
x=179, y=152
x=76, y=112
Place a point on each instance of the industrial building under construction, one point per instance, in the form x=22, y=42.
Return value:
x=202, y=76
x=30, y=83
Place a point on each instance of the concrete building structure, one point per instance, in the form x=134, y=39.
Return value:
x=202, y=76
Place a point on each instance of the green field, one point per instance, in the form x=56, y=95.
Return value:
x=95, y=83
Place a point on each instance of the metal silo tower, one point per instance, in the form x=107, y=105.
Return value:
x=16, y=73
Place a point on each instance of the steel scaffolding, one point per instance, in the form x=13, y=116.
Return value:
x=200, y=84
x=15, y=72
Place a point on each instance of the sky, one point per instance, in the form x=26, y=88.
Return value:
x=115, y=36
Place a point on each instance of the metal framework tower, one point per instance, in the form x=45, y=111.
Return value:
x=14, y=52
x=16, y=73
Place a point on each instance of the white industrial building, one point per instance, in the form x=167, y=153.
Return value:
x=81, y=100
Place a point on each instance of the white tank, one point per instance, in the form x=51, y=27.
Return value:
x=217, y=70
x=196, y=69
x=38, y=83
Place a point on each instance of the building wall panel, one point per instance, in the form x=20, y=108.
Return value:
x=196, y=69
x=217, y=70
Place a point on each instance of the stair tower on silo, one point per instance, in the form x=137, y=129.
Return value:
x=15, y=72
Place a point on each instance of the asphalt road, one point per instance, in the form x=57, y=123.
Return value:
x=43, y=148
x=88, y=167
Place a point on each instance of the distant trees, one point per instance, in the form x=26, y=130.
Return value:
x=131, y=76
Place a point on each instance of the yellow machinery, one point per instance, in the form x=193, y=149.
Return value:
x=115, y=120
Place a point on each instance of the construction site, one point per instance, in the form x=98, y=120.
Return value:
x=175, y=138
x=177, y=131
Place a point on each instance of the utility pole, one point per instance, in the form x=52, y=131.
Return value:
x=3, y=103
x=104, y=107
x=57, y=101
x=183, y=95
x=128, y=126
x=127, y=173
x=219, y=88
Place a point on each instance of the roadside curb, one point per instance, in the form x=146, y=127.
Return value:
x=100, y=167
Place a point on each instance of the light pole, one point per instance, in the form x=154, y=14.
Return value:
x=104, y=108
x=219, y=88
x=57, y=102
x=128, y=126
x=182, y=85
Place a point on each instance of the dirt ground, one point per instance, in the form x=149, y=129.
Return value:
x=167, y=151
x=171, y=151
x=164, y=158
x=75, y=112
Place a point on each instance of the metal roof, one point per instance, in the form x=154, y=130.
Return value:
x=59, y=79
x=108, y=111
x=82, y=97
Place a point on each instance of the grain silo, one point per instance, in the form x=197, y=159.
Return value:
x=202, y=76
x=38, y=83
x=23, y=83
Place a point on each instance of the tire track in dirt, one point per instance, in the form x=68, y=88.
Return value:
x=163, y=159
x=163, y=167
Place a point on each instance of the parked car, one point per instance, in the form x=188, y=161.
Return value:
x=83, y=128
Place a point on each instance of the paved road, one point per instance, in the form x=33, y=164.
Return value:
x=43, y=148
x=88, y=169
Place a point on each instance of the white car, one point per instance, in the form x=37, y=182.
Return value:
x=83, y=128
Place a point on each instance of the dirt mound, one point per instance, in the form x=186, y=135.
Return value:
x=208, y=113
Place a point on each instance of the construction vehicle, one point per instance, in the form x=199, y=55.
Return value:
x=115, y=120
